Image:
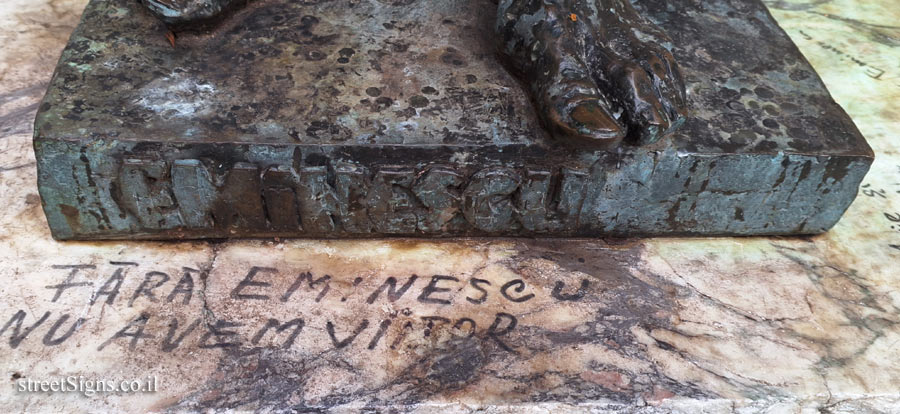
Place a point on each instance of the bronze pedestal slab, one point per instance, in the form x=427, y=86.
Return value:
x=396, y=118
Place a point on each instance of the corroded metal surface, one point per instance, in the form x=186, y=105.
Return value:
x=596, y=69
x=397, y=119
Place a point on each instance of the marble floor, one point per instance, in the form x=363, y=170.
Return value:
x=750, y=325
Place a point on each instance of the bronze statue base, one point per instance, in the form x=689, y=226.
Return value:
x=397, y=118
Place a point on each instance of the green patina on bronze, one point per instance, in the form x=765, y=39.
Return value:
x=372, y=118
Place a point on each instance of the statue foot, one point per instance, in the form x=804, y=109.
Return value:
x=568, y=97
x=185, y=13
x=597, y=70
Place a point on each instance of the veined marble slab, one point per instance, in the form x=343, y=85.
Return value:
x=780, y=325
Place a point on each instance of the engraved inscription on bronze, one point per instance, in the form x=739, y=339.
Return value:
x=391, y=200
